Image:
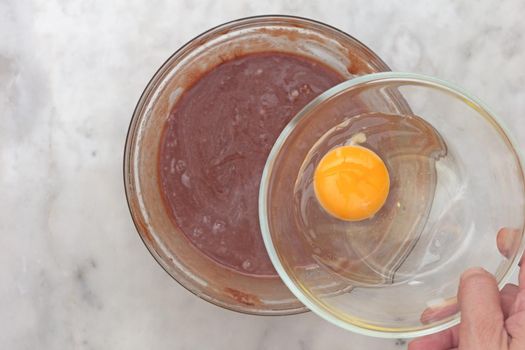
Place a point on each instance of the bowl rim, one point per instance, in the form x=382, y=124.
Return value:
x=372, y=78
x=149, y=89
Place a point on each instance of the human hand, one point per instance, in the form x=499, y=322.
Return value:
x=490, y=319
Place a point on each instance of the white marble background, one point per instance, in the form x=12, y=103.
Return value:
x=74, y=273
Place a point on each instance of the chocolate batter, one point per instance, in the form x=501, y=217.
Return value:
x=215, y=145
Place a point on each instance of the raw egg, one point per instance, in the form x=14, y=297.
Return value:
x=351, y=183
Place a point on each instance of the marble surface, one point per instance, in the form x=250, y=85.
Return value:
x=74, y=273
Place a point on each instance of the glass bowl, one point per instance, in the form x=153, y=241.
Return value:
x=168, y=245
x=455, y=180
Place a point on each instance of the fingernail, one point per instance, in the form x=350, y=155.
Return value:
x=473, y=271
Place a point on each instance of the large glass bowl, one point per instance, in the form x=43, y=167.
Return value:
x=170, y=247
x=453, y=187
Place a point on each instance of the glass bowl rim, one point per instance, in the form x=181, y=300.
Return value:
x=373, y=78
x=152, y=85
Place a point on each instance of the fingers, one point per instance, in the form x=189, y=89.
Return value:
x=440, y=341
x=514, y=296
x=508, y=241
x=450, y=306
x=481, y=314
x=483, y=309
x=437, y=313
x=515, y=324
x=507, y=297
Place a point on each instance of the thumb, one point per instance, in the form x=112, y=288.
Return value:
x=482, y=320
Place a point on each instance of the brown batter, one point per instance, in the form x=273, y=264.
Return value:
x=215, y=145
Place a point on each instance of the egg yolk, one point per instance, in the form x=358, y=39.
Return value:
x=351, y=183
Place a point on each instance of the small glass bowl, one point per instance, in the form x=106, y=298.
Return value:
x=398, y=276
x=168, y=245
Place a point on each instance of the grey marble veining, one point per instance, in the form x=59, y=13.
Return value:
x=75, y=275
